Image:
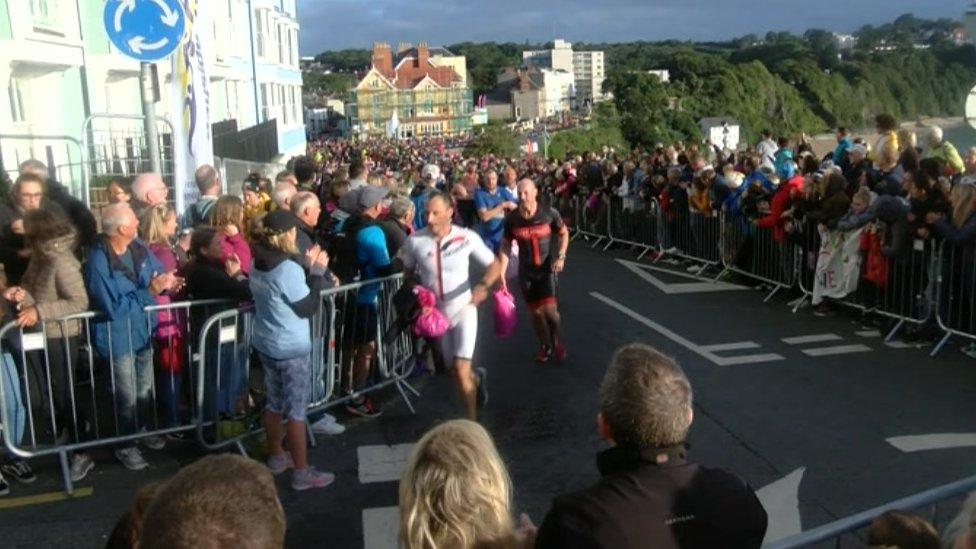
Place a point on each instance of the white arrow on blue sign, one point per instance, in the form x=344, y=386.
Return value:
x=145, y=30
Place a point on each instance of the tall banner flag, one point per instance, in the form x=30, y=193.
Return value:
x=192, y=137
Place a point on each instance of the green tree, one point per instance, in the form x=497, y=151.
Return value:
x=495, y=139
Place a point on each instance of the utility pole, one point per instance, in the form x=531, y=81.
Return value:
x=150, y=95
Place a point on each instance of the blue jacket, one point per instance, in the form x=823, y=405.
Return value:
x=121, y=295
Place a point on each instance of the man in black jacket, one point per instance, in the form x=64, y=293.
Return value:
x=649, y=494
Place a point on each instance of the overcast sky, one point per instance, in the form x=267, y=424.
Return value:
x=339, y=24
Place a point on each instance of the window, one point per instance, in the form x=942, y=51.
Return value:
x=259, y=23
x=280, y=40
x=18, y=111
x=265, y=107
x=46, y=15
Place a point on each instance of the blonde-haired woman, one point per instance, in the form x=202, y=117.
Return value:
x=455, y=493
x=284, y=300
x=228, y=218
x=157, y=229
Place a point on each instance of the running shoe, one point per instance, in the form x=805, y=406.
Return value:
x=303, y=479
x=81, y=465
x=131, y=458
x=363, y=408
x=543, y=355
x=328, y=426
x=19, y=470
x=481, y=378
x=280, y=463
x=154, y=442
x=560, y=352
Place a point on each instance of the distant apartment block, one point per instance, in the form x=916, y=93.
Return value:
x=587, y=68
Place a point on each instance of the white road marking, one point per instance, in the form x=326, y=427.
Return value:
x=381, y=526
x=816, y=338
x=935, y=441
x=899, y=345
x=837, y=350
x=781, y=499
x=749, y=359
x=382, y=463
x=868, y=333
x=731, y=346
x=678, y=288
x=664, y=331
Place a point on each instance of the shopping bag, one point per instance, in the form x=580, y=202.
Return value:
x=431, y=322
x=506, y=316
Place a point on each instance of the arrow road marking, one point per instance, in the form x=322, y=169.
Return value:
x=138, y=43
x=681, y=288
x=934, y=441
x=124, y=6
x=170, y=17
x=781, y=499
x=701, y=351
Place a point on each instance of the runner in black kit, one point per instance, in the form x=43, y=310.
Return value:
x=542, y=242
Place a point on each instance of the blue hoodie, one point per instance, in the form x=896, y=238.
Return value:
x=122, y=295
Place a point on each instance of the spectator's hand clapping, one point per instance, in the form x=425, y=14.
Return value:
x=15, y=294
x=17, y=226
x=311, y=254
x=28, y=317
x=233, y=266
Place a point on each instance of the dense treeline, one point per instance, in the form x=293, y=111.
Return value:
x=784, y=82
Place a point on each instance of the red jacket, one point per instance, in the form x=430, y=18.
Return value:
x=781, y=202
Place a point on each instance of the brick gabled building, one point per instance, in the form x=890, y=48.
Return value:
x=427, y=93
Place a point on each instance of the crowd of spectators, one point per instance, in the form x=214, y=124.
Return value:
x=340, y=214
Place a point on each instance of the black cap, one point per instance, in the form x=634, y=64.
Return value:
x=279, y=221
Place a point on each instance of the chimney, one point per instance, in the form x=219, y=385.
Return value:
x=383, y=59
x=423, y=54
x=523, y=78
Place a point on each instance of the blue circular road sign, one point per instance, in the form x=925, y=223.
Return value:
x=145, y=30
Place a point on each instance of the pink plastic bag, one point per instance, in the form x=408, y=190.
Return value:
x=431, y=323
x=506, y=317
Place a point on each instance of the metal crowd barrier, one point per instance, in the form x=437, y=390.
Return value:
x=954, y=301
x=690, y=235
x=848, y=526
x=756, y=253
x=340, y=329
x=634, y=222
x=66, y=396
x=906, y=296
x=592, y=218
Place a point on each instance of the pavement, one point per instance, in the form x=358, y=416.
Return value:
x=802, y=407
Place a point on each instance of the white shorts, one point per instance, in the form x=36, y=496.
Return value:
x=460, y=339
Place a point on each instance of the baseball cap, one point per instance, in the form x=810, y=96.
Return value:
x=859, y=148
x=279, y=221
x=430, y=171
x=371, y=195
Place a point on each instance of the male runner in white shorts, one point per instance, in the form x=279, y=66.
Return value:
x=438, y=257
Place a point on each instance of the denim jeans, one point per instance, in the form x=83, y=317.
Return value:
x=16, y=415
x=132, y=376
